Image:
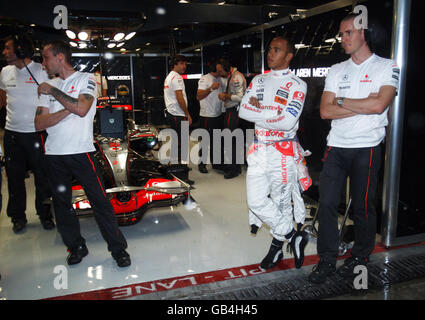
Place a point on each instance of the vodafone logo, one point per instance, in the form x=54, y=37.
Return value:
x=299, y=95
x=72, y=90
x=366, y=78
x=287, y=86
x=30, y=80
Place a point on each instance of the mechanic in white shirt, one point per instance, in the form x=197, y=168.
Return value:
x=67, y=107
x=232, y=96
x=356, y=98
x=23, y=144
x=210, y=113
x=177, y=109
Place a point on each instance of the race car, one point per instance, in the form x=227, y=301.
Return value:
x=134, y=178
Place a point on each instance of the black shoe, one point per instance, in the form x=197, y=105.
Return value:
x=77, y=254
x=254, y=229
x=297, y=245
x=273, y=257
x=122, y=258
x=321, y=271
x=231, y=174
x=347, y=269
x=47, y=223
x=19, y=225
x=202, y=168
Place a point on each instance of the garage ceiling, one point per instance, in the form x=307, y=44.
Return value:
x=159, y=24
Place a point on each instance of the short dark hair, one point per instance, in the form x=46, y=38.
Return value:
x=224, y=63
x=179, y=58
x=22, y=45
x=59, y=46
x=289, y=44
x=212, y=66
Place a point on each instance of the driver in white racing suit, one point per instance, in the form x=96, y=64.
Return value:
x=276, y=173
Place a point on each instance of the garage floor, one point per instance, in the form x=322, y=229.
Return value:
x=201, y=243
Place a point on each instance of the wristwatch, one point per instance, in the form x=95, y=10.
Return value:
x=340, y=101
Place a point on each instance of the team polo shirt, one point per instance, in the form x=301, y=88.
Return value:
x=211, y=105
x=349, y=80
x=73, y=134
x=172, y=83
x=22, y=96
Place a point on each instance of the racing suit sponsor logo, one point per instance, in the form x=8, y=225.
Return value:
x=261, y=80
x=30, y=80
x=280, y=100
x=92, y=83
x=284, y=173
x=396, y=70
x=287, y=86
x=282, y=94
x=295, y=104
x=250, y=108
x=250, y=86
x=299, y=95
x=345, y=77
x=260, y=97
x=269, y=133
x=292, y=111
x=260, y=90
x=275, y=120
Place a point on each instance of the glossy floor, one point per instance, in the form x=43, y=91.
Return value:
x=207, y=235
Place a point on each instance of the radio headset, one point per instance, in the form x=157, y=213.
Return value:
x=24, y=48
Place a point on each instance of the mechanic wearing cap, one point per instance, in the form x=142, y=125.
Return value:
x=23, y=143
x=235, y=89
x=67, y=107
x=356, y=97
x=276, y=173
x=209, y=87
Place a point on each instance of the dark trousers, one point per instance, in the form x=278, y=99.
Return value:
x=62, y=169
x=231, y=122
x=362, y=166
x=209, y=124
x=24, y=151
x=175, y=123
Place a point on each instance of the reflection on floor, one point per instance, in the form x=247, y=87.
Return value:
x=207, y=241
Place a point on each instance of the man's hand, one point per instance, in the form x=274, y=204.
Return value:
x=254, y=102
x=215, y=85
x=189, y=118
x=44, y=88
x=224, y=96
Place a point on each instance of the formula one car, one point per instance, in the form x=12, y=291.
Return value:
x=134, y=179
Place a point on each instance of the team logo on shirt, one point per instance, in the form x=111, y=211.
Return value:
x=72, y=90
x=30, y=80
x=366, y=78
x=299, y=95
x=345, y=77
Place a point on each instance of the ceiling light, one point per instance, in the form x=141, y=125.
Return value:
x=130, y=35
x=148, y=43
x=330, y=40
x=120, y=44
x=301, y=46
x=221, y=3
x=161, y=11
x=119, y=36
x=122, y=49
x=82, y=45
x=183, y=1
x=176, y=28
x=246, y=45
x=108, y=55
x=70, y=34
x=73, y=44
x=111, y=45
x=83, y=35
x=32, y=25
x=138, y=49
